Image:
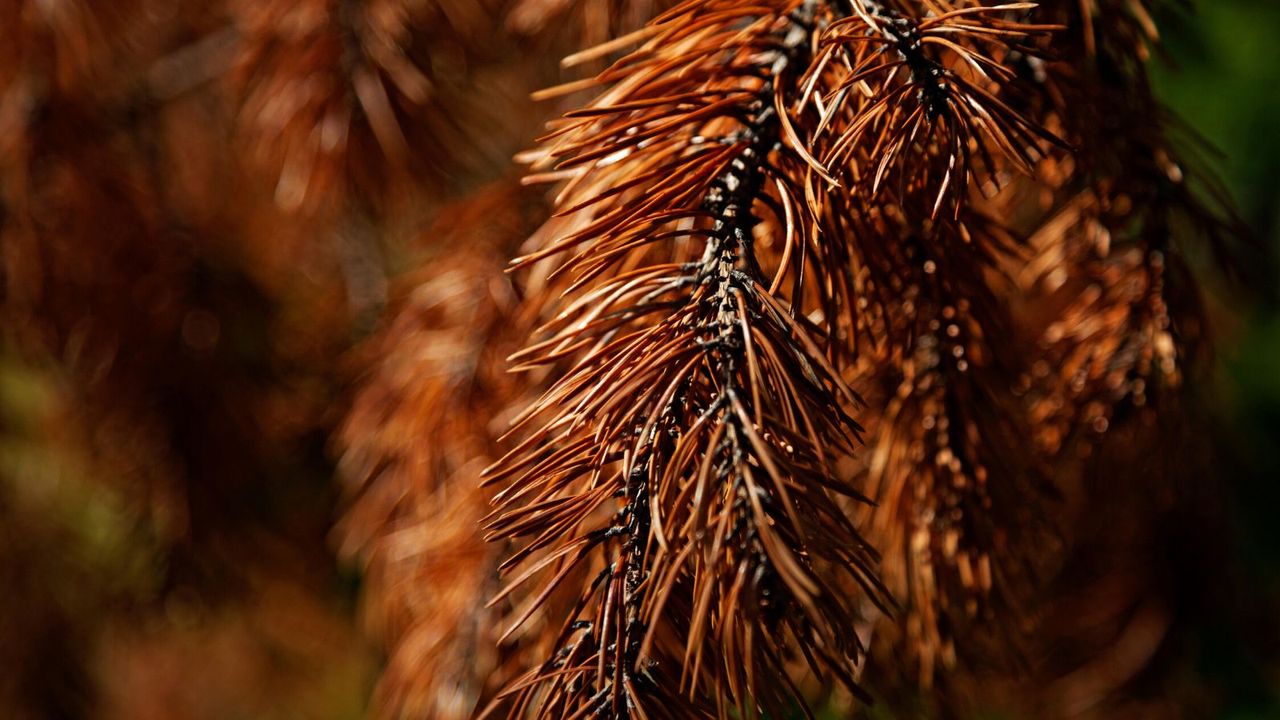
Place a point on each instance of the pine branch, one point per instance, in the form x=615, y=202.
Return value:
x=919, y=110
x=683, y=463
x=358, y=100
x=417, y=435
x=1121, y=314
x=1114, y=336
x=917, y=98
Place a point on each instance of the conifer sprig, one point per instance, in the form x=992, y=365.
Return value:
x=683, y=466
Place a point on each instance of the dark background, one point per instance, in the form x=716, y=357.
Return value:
x=1220, y=73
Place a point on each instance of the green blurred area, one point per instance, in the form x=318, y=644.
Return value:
x=1220, y=73
x=1222, y=76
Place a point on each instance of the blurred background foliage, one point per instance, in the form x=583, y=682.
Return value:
x=1219, y=73
x=130, y=625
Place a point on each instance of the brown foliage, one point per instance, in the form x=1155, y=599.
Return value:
x=767, y=204
x=353, y=99
x=840, y=327
x=420, y=431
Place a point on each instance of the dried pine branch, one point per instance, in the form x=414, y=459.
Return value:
x=961, y=516
x=1120, y=337
x=1105, y=325
x=912, y=94
x=1123, y=316
x=683, y=465
x=355, y=100
x=419, y=432
x=918, y=112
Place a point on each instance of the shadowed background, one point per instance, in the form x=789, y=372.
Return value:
x=1220, y=60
